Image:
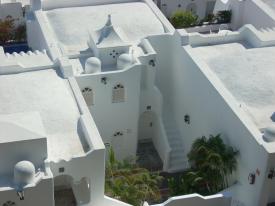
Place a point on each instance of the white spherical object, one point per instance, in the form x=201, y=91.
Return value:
x=92, y=65
x=24, y=172
x=124, y=61
x=269, y=134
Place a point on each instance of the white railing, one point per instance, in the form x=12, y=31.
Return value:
x=205, y=28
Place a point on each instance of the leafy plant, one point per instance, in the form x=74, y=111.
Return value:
x=212, y=162
x=210, y=18
x=20, y=33
x=183, y=19
x=6, y=29
x=224, y=16
x=10, y=33
x=129, y=183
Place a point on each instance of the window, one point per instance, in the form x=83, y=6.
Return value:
x=88, y=96
x=118, y=94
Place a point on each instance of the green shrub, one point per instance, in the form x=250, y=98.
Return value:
x=6, y=30
x=210, y=18
x=224, y=16
x=130, y=183
x=183, y=19
x=20, y=33
x=212, y=162
x=10, y=33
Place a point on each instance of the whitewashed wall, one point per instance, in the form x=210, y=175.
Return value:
x=23, y=2
x=14, y=10
x=243, y=12
x=116, y=117
x=265, y=18
x=190, y=90
x=195, y=200
x=13, y=152
x=42, y=194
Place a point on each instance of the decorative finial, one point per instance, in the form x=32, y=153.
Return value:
x=109, y=21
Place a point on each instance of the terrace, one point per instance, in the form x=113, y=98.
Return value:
x=49, y=95
x=248, y=73
x=126, y=16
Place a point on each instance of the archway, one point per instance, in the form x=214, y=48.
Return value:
x=148, y=156
x=63, y=193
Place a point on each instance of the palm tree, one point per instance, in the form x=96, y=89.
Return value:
x=212, y=162
x=128, y=182
x=215, y=159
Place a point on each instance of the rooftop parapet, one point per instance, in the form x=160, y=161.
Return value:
x=22, y=62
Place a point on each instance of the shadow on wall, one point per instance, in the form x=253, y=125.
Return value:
x=273, y=117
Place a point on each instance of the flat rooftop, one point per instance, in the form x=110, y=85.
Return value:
x=71, y=25
x=44, y=92
x=248, y=73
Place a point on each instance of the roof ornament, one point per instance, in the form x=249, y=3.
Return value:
x=105, y=31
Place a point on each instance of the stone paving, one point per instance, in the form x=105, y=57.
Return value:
x=64, y=198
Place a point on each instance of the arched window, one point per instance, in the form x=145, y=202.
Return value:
x=88, y=95
x=118, y=94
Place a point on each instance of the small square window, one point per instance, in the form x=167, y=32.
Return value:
x=61, y=170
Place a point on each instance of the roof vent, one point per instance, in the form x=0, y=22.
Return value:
x=269, y=134
x=92, y=65
x=124, y=61
x=24, y=172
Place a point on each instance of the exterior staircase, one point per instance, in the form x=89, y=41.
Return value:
x=177, y=160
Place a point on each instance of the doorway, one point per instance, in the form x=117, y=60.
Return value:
x=63, y=193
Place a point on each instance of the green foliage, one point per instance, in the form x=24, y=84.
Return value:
x=129, y=183
x=6, y=29
x=224, y=16
x=210, y=18
x=9, y=32
x=183, y=19
x=20, y=33
x=212, y=162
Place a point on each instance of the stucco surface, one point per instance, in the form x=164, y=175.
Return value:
x=270, y=3
x=249, y=74
x=71, y=25
x=48, y=94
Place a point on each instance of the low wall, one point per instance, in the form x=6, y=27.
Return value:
x=205, y=28
x=195, y=200
x=52, y=4
x=41, y=194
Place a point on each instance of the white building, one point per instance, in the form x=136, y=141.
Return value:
x=103, y=74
